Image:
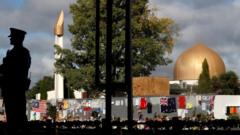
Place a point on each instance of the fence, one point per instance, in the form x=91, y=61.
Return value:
x=148, y=107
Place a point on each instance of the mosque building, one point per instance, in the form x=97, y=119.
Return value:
x=188, y=66
x=187, y=69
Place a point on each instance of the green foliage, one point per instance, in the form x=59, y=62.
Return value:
x=42, y=86
x=175, y=89
x=152, y=39
x=51, y=111
x=226, y=83
x=215, y=84
x=204, y=81
x=31, y=94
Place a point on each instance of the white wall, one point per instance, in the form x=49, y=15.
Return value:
x=38, y=96
x=221, y=102
x=52, y=95
x=77, y=94
x=189, y=82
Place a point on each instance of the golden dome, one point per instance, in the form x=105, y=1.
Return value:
x=189, y=64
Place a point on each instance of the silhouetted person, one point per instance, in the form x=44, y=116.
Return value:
x=14, y=82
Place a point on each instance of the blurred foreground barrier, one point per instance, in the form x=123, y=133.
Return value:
x=180, y=127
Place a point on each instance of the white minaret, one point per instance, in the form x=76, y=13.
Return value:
x=58, y=78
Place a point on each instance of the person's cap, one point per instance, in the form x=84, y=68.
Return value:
x=17, y=32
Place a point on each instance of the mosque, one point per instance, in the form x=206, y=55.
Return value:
x=186, y=71
x=188, y=65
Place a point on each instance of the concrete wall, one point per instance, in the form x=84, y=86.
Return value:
x=221, y=102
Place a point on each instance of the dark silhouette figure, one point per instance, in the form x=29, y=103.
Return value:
x=14, y=82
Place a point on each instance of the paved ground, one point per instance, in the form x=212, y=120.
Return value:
x=43, y=128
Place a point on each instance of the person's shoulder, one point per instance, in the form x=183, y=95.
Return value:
x=24, y=50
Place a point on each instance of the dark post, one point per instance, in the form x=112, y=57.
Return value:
x=109, y=67
x=128, y=63
x=97, y=35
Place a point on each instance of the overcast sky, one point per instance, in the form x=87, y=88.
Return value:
x=37, y=17
x=213, y=22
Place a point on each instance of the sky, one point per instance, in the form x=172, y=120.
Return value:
x=215, y=23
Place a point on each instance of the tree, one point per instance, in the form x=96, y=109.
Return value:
x=226, y=83
x=31, y=93
x=42, y=86
x=215, y=84
x=152, y=39
x=204, y=81
x=52, y=111
x=229, y=83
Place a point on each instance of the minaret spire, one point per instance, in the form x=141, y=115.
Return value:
x=59, y=25
x=58, y=78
